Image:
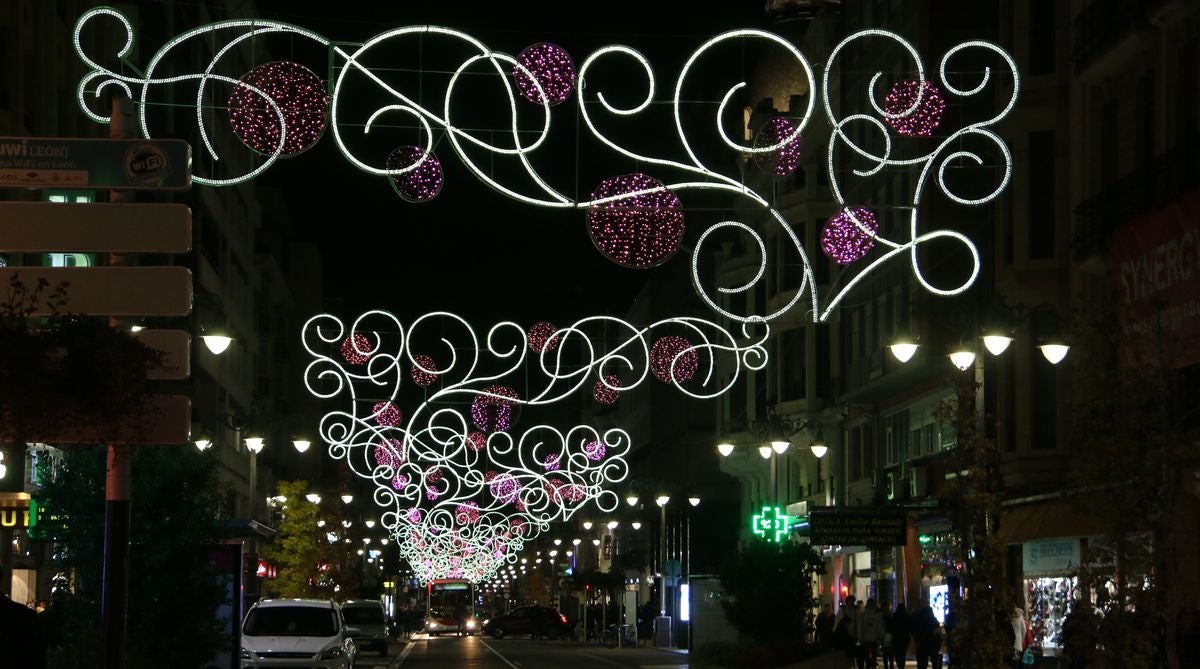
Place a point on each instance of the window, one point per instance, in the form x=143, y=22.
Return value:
x=1042, y=204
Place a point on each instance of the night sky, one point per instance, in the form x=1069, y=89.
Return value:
x=471, y=250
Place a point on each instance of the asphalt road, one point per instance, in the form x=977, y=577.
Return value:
x=519, y=653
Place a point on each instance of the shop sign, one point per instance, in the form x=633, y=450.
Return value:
x=770, y=524
x=858, y=527
x=1050, y=556
x=17, y=511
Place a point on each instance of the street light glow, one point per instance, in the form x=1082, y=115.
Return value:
x=347, y=498
x=216, y=344
x=301, y=444
x=764, y=451
x=694, y=501
x=203, y=444
x=725, y=449
x=313, y=497
x=632, y=500
x=255, y=444
x=662, y=500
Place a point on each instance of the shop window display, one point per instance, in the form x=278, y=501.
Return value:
x=1048, y=600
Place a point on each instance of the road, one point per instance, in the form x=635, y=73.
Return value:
x=475, y=652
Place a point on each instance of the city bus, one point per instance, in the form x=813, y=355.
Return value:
x=450, y=606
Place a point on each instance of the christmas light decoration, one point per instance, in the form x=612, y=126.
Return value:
x=550, y=464
x=914, y=108
x=421, y=183
x=386, y=413
x=477, y=441
x=594, y=450
x=635, y=221
x=292, y=88
x=492, y=410
x=673, y=359
x=605, y=390
x=356, y=349
x=424, y=371
x=987, y=73
x=782, y=161
x=849, y=234
x=553, y=74
x=541, y=337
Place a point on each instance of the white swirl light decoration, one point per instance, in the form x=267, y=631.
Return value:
x=513, y=143
x=460, y=502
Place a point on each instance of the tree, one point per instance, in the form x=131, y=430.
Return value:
x=770, y=592
x=173, y=593
x=296, y=548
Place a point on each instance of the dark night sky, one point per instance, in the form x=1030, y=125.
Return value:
x=472, y=250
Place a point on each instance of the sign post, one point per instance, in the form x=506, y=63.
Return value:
x=836, y=526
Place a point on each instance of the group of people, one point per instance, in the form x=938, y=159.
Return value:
x=865, y=633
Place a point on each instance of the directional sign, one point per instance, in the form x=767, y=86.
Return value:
x=175, y=347
x=27, y=227
x=166, y=420
x=120, y=164
x=112, y=291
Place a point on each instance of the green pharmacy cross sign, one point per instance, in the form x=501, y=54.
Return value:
x=770, y=524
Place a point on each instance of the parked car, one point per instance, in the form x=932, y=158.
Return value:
x=367, y=616
x=534, y=620
x=297, y=633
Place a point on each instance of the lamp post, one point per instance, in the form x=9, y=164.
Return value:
x=254, y=444
x=662, y=501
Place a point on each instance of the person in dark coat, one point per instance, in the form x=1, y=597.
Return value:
x=895, y=651
x=927, y=636
x=824, y=627
x=21, y=643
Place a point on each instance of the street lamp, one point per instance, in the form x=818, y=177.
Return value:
x=725, y=449
x=587, y=525
x=631, y=500
x=254, y=444
x=301, y=445
x=313, y=498
x=203, y=444
x=347, y=498
x=216, y=341
x=662, y=501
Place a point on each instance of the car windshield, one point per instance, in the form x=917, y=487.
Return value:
x=290, y=621
x=362, y=615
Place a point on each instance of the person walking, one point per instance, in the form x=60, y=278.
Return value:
x=845, y=629
x=824, y=627
x=870, y=634
x=896, y=639
x=21, y=643
x=1022, y=636
x=927, y=636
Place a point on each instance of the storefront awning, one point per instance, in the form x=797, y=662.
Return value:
x=1047, y=520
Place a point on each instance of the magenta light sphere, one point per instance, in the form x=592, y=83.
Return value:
x=419, y=185
x=357, y=349
x=594, y=450
x=477, y=441
x=399, y=481
x=541, y=337
x=387, y=455
x=635, y=231
x=553, y=69
x=551, y=462
x=782, y=161
x=494, y=414
x=386, y=413
x=299, y=94
x=920, y=122
x=843, y=241
x=420, y=376
x=663, y=353
x=466, y=513
x=604, y=391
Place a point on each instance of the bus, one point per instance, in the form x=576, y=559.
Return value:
x=450, y=606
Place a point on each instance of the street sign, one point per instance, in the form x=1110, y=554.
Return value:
x=175, y=347
x=112, y=291
x=841, y=526
x=50, y=227
x=118, y=164
x=166, y=420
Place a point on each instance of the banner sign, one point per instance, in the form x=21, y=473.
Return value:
x=120, y=164
x=857, y=527
x=1050, y=557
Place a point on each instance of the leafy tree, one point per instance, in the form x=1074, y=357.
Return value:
x=173, y=593
x=296, y=548
x=770, y=592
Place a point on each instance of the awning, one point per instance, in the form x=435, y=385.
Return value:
x=1047, y=520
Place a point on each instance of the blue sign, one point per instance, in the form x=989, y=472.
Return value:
x=118, y=164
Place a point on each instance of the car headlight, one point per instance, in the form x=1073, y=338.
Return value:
x=488, y=621
x=247, y=655
x=332, y=653
x=471, y=624
x=429, y=623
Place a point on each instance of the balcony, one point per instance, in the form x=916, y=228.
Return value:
x=1167, y=176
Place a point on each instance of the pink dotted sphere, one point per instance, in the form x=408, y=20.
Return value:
x=782, y=161
x=594, y=450
x=386, y=413
x=920, y=121
x=494, y=410
x=663, y=354
x=551, y=67
x=551, y=462
x=424, y=371
x=605, y=391
x=640, y=228
x=299, y=94
x=541, y=337
x=357, y=349
x=477, y=441
x=421, y=184
x=844, y=241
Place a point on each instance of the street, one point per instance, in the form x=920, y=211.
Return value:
x=517, y=653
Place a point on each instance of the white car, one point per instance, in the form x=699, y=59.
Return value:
x=309, y=633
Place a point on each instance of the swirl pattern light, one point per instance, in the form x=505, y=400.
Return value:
x=975, y=143
x=435, y=468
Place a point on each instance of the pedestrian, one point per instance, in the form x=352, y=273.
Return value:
x=927, y=637
x=1022, y=636
x=870, y=634
x=845, y=629
x=20, y=636
x=824, y=627
x=896, y=639
x=460, y=615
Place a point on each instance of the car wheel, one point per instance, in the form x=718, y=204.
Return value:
x=498, y=633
